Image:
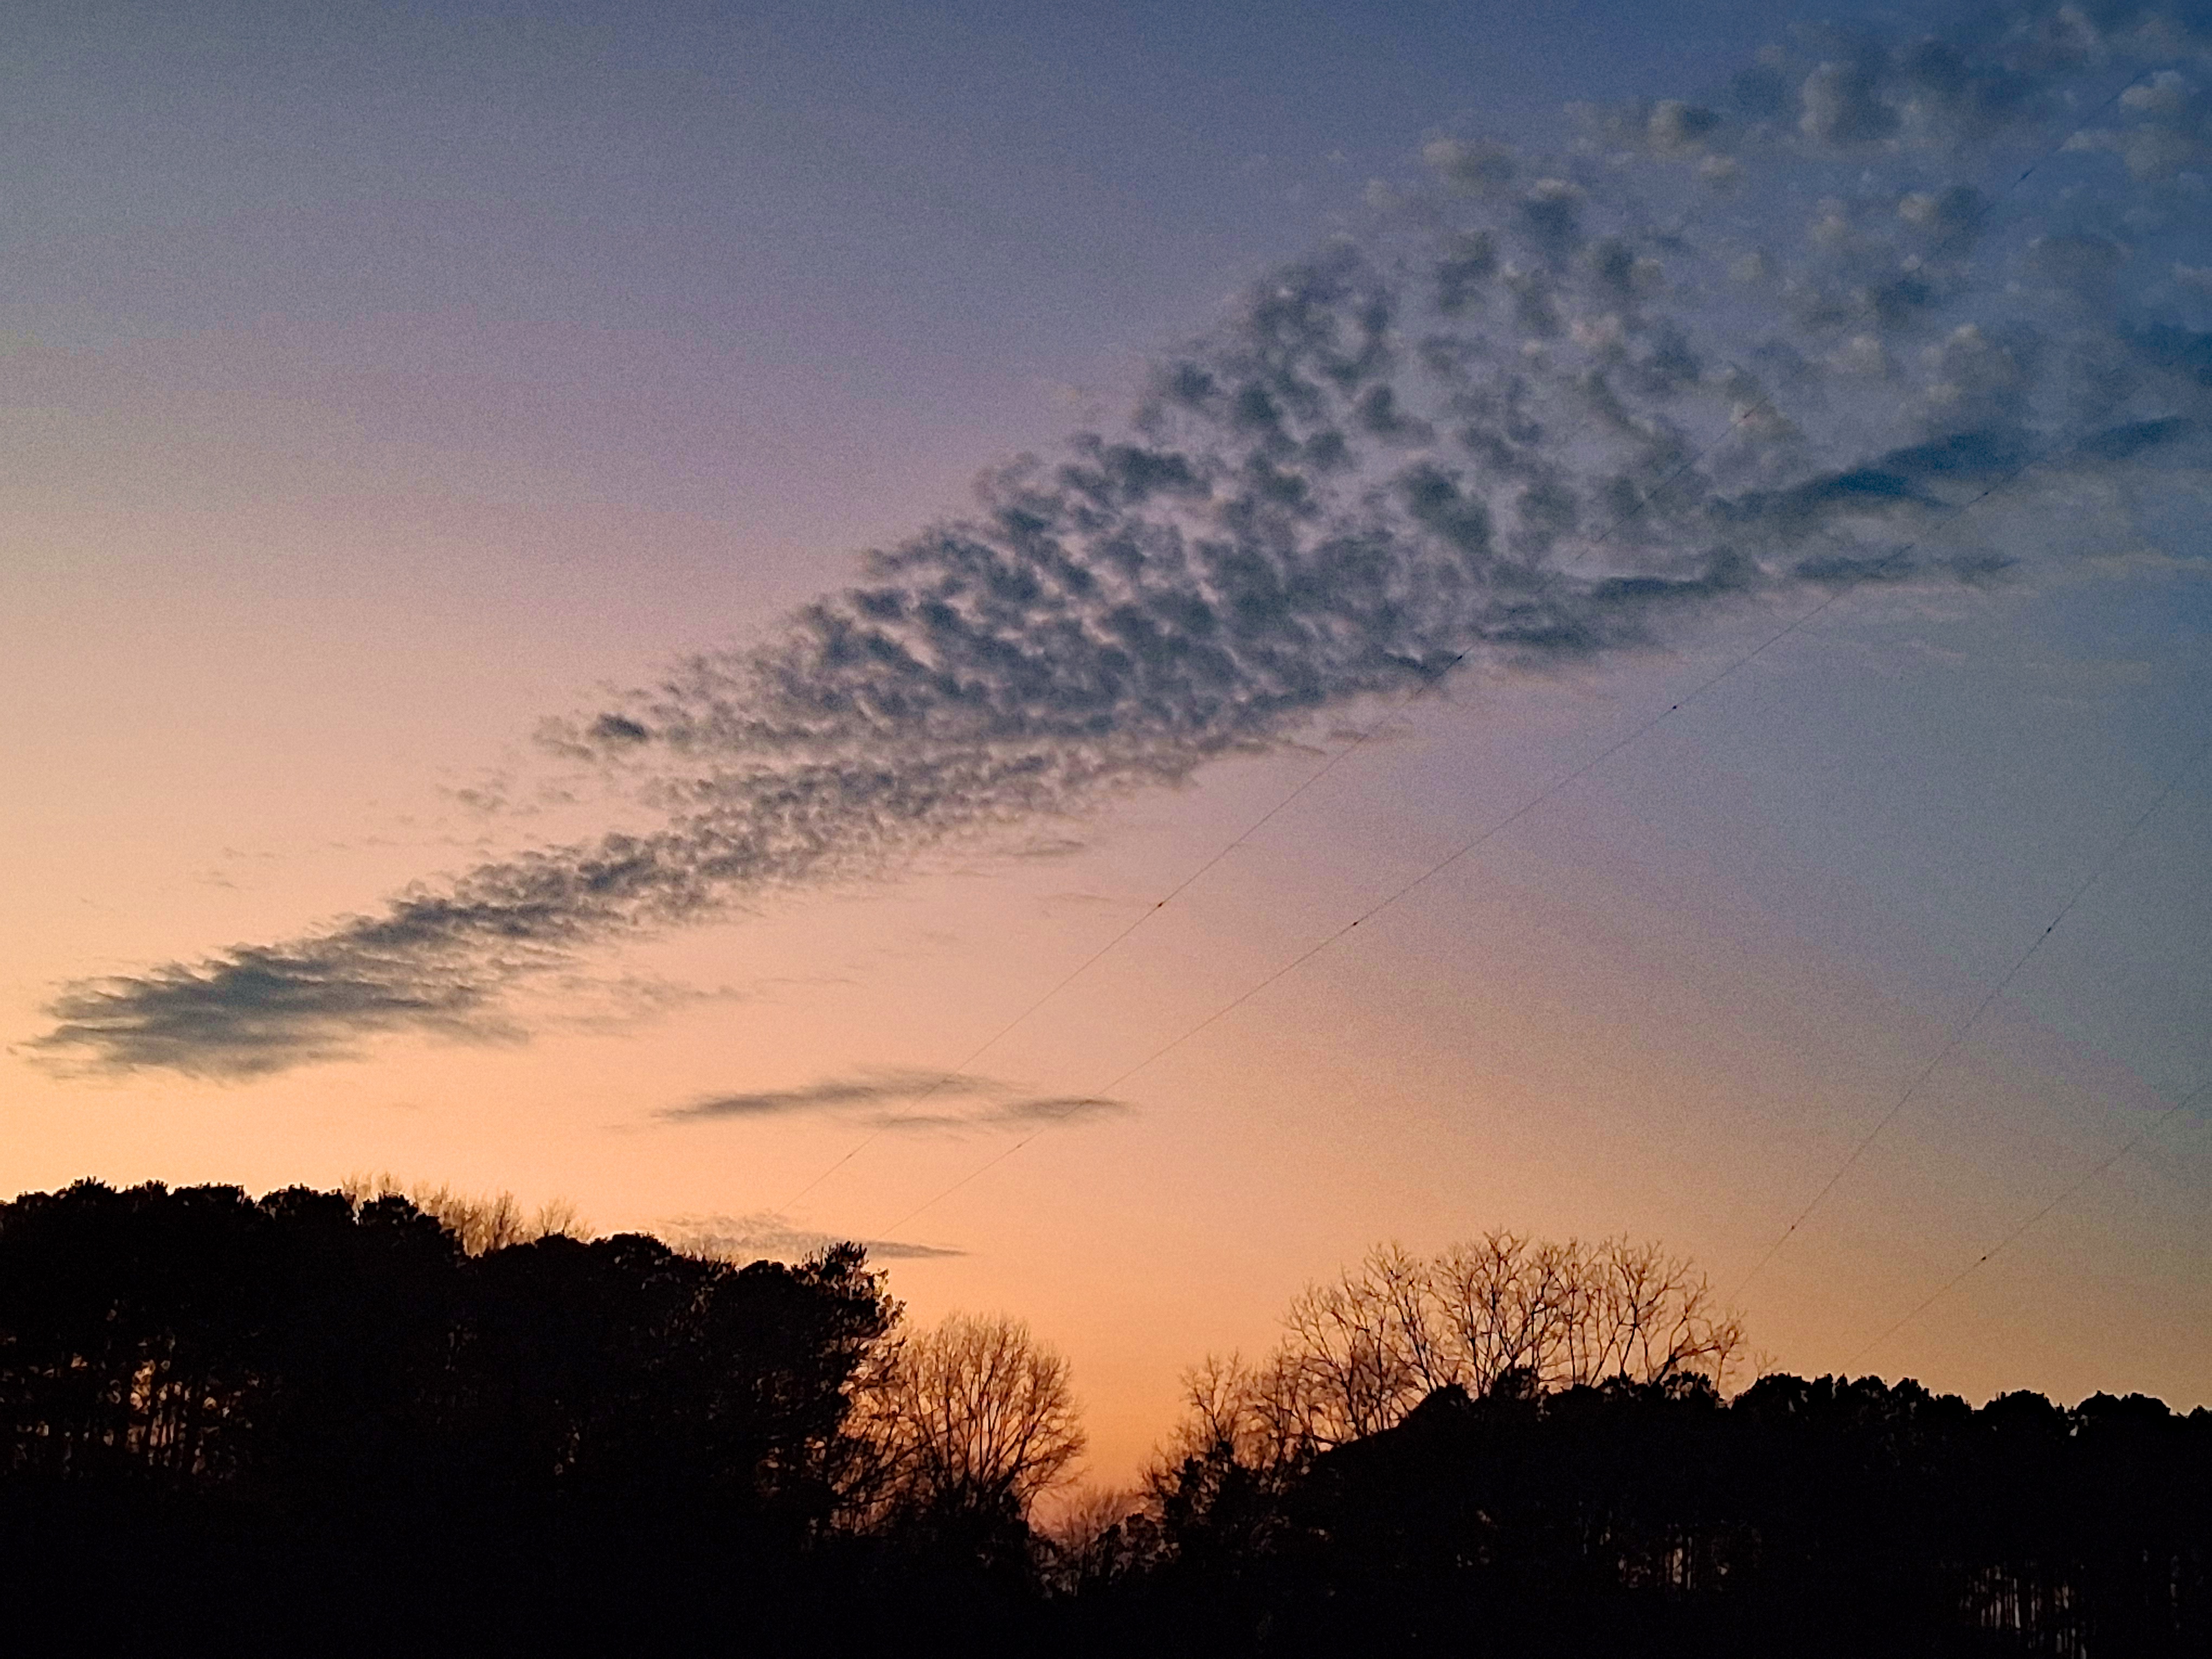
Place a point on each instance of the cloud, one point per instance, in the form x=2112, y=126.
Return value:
x=1551, y=408
x=2135, y=563
x=895, y=1099
x=255, y=1010
x=614, y=1003
x=1046, y=847
x=767, y=1235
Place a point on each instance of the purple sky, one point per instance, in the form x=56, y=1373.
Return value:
x=380, y=391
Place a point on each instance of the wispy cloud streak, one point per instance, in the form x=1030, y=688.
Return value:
x=889, y=1099
x=1550, y=409
x=765, y=1234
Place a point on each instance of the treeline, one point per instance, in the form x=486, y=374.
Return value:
x=354, y=1421
x=1819, y=1518
x=311, y=1419
x=1526, y=1447
x=342, y=1421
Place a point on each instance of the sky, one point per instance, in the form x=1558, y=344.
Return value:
x=813, y=622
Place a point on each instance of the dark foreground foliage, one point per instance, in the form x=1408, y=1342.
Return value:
x=303, y=1424
x=298, y=1423
x=1825, y=1517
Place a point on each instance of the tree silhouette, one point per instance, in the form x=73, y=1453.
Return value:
x=479, y=1222
x=330, y=1421
x=282, y=1401
x=976, y=1418
x=1516, y=1447
x=1361, y=1351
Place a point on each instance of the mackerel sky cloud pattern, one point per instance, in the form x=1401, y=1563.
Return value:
x=1546, y=410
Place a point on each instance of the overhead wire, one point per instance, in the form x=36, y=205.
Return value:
x=1315, y=950
x=1959, y=1034
x=1431, y=678
x=1521, y=811
x=1735, y=424
x=1099, y=954
x=2014, y=1236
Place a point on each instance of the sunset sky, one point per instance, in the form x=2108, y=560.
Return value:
x=456, y=731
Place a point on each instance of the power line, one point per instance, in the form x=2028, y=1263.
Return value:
x=1143, y=916
x=1315, y=950
x=1433, y=679
x=1530, y=805
x=2012, y=1238
x=1958, y=1034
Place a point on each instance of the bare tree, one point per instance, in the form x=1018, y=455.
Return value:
x=1227, y=1415
x=1087, y=1541
x=1360, y=1352
x=974, y=1417
x=479, y=1222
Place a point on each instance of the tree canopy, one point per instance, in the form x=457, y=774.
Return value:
x=338, y=1421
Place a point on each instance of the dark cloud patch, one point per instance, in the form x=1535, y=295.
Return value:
x=259, y=1010
x=911, y=1100
x=1559, y=407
